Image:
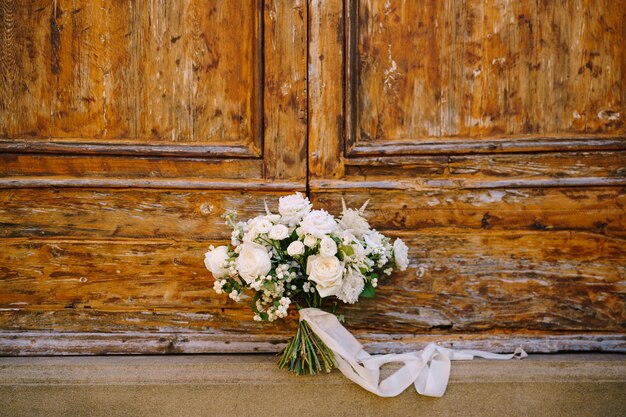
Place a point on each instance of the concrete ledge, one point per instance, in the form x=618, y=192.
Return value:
x=239, y=385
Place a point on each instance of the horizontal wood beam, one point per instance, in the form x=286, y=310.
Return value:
x=80, y=146
x=509, y=144
x=161, y=183
x=89, y=343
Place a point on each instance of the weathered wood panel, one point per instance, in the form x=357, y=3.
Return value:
x=593, y=210
x=463, y=282
x=90, y=70
x=101, y=166
x=126, y=214
x=25, y=68
x=38, y=343
x=485, y=68
x=326, y=84
x=285, y=100
x=196, y=214
x=163, y=72
x=528, y=166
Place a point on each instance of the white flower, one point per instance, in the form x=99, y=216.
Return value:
x=278, y=232
x=328, y=247
x=318, y=223
x=310, y=241
x=214, y=261
x=326, y=272
x=260, y=224
x=293, y=208
x=295, y=248
x=352, y=221
x=218, y=285
x=352, y=287
x=401, y=254
x=374, y=239
x=253, y=261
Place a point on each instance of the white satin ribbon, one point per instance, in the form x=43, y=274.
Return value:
x=428, y=369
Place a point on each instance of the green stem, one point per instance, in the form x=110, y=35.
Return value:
x=306, y=352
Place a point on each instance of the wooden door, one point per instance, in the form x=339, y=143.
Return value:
x=490, y=135
x=126, y=130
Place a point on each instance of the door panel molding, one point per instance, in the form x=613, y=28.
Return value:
x=512, y=84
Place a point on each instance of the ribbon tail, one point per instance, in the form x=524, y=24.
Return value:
x=428, y=370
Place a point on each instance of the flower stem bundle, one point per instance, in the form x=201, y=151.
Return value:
x=306, y=353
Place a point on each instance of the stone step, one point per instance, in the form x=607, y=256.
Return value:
x=251, y=385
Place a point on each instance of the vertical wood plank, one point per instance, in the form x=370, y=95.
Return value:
x=224, y=69
x=163, y=63
x=91, y=69
x=326, y=83
x=285, y=103
x=26, y=68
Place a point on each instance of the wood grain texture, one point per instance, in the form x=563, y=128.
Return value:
x=45, y=343
x=126, y=214
x=25, y=45
x=458, y=281
x=494, y=147
x=285, y=102
x=172, y=72
x=486, y=68
x=593, y=210
x=102, y=166
x=326, y=86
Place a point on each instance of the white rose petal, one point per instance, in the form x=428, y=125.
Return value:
x=293, y=208
x=328, y=247
x=295, y=248
x=263, y=226
x=278, y=232
x=318, y=223
x=253, y=261
x=373, y=239
x=401, y=254
x=214, y=261
x=310, y=241
x=326, y=272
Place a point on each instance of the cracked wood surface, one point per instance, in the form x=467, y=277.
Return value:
x=488, y=134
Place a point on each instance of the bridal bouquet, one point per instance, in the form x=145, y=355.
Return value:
x=305, y=258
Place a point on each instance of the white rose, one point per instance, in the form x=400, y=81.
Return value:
x=261, y=225
x=295, y=248
x=214, y=261
x=401, y=254
x=326, y=272
x=310, y=241
x=318, y=223
x=278, y=232
x=293, y=208
x=253, y=261
x=328, y=247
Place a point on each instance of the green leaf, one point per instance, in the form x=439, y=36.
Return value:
x=347, y=249
x=256, y=297
x=368, y=291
